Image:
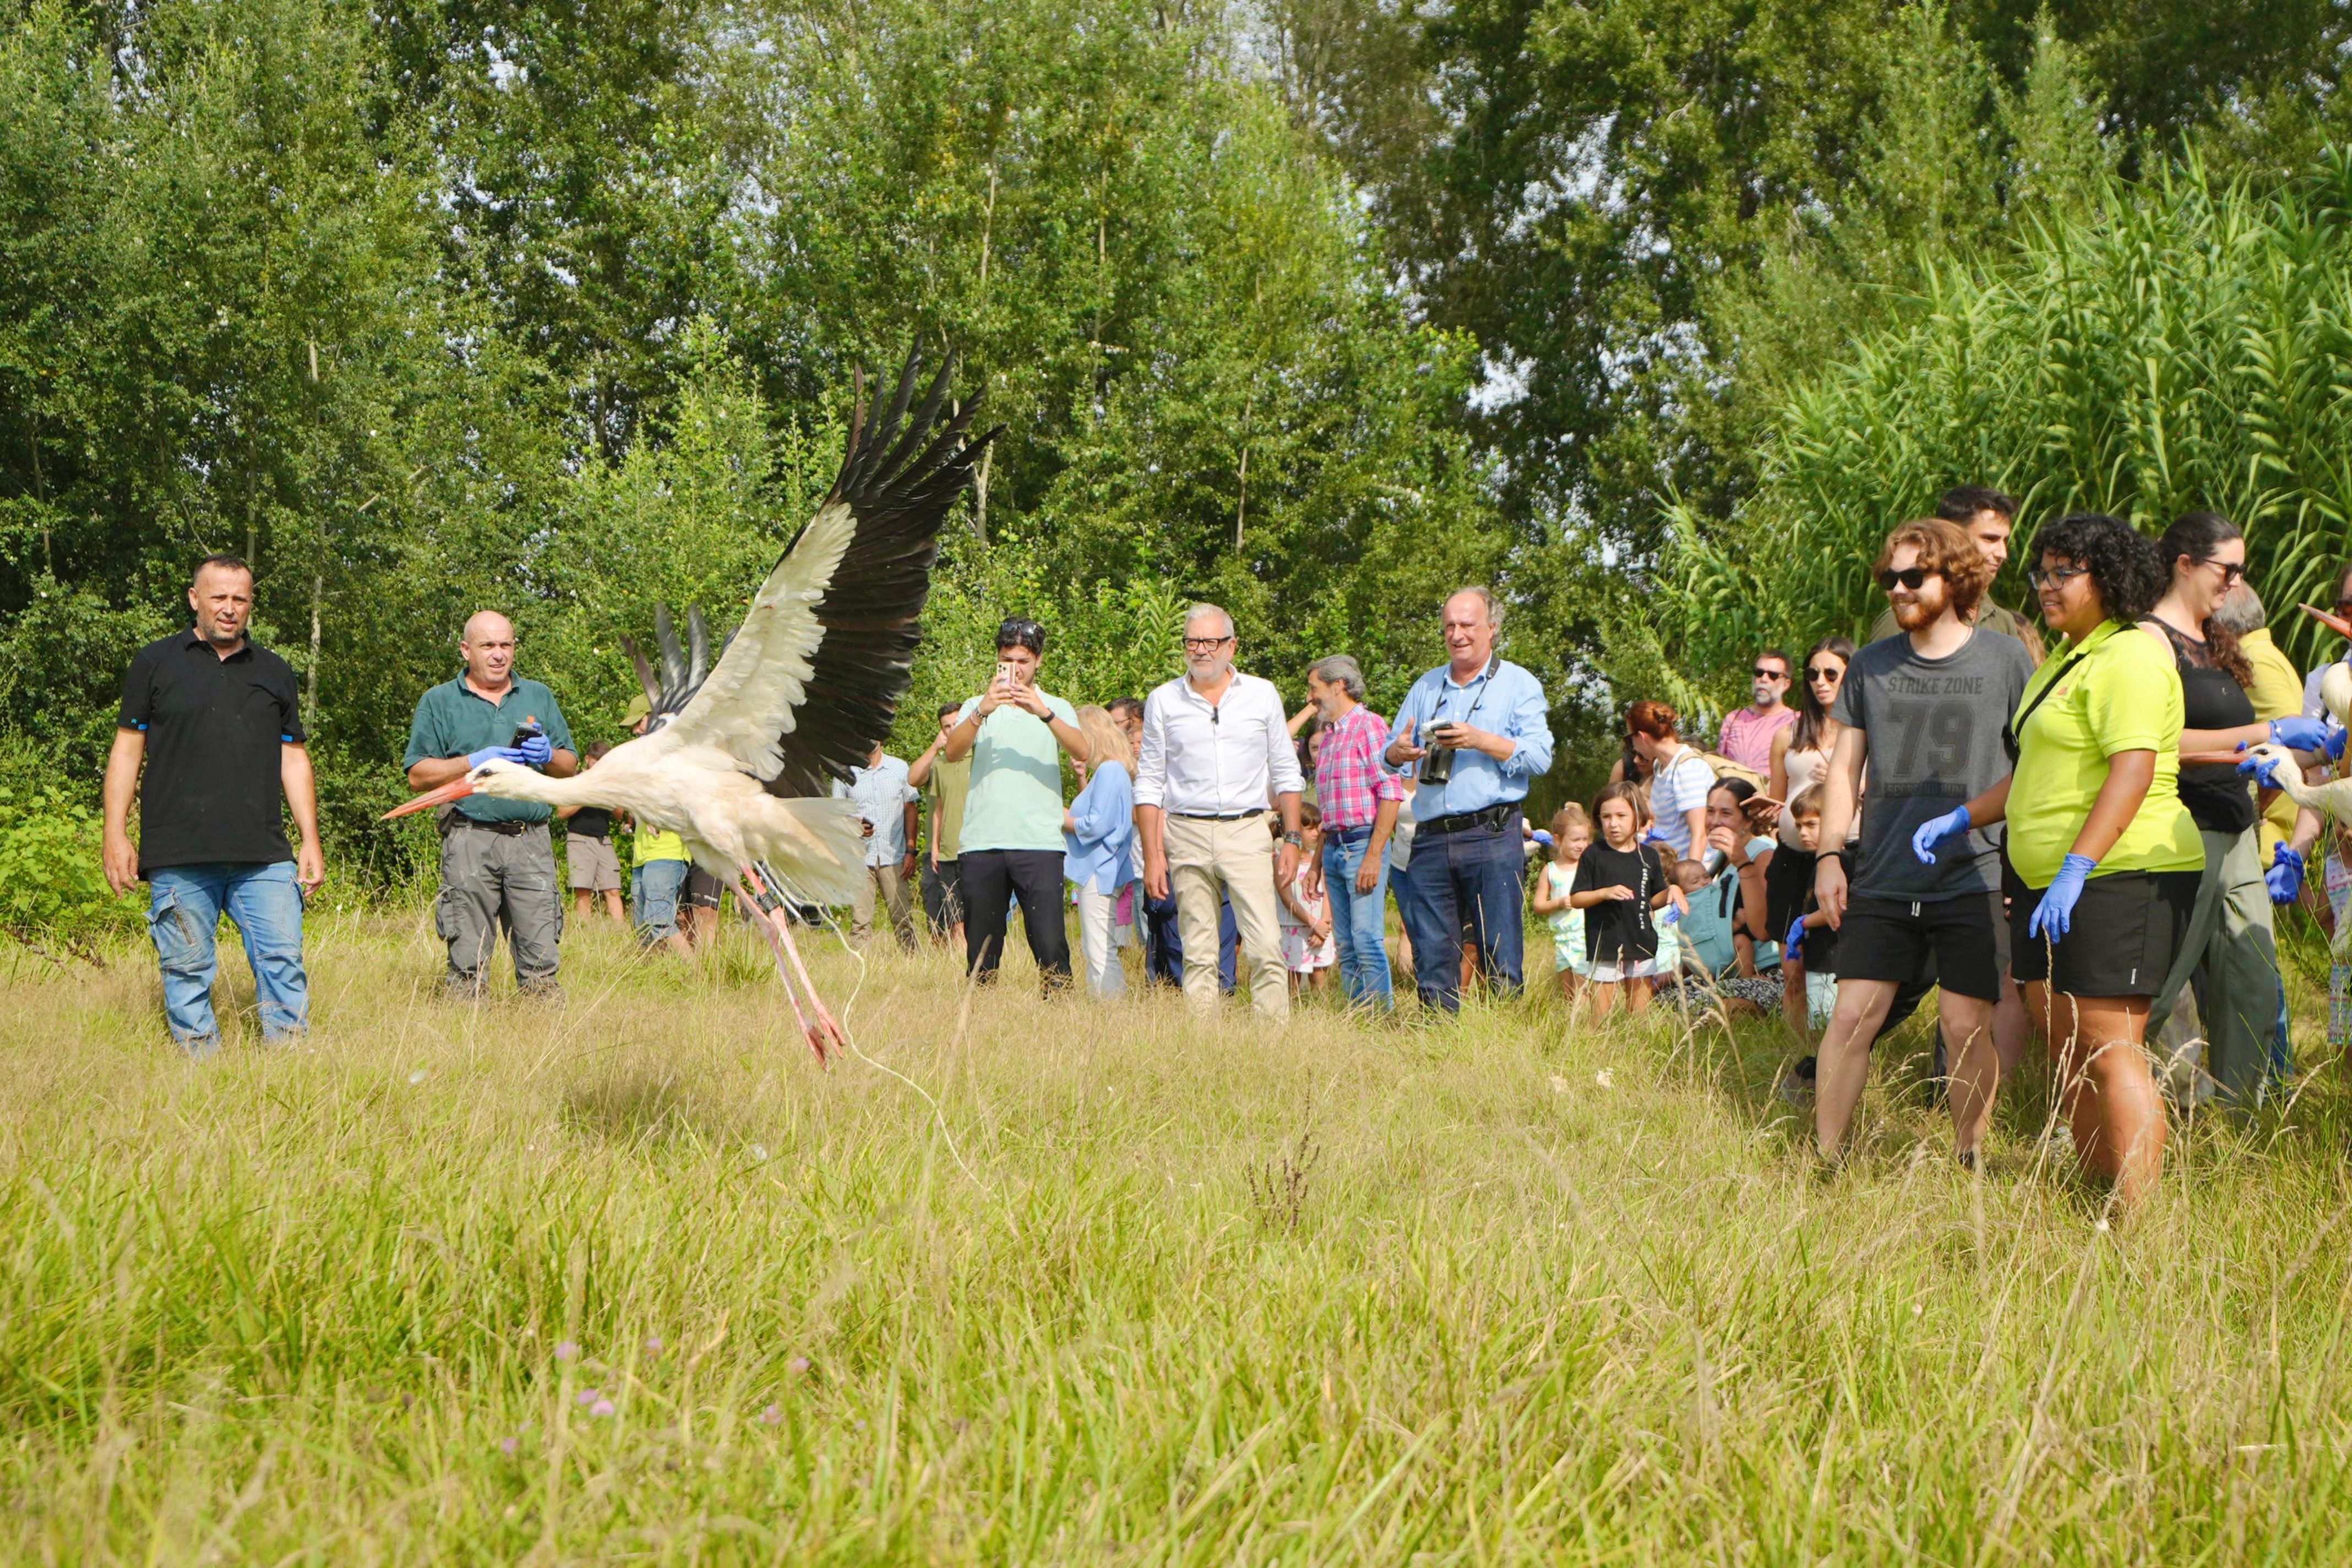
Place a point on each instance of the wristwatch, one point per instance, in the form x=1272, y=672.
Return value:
x=1297, y=841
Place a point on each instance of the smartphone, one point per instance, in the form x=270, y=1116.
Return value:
x=1004, y=672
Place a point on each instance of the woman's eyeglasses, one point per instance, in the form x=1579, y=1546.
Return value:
x=1911, y=578
x=2054, y=576
x=2233, y=571
x=1823, y=672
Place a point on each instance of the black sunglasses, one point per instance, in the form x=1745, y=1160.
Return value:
x=2231, y=571
x=1910, y=578
x=1823, y=672
x=1764, y=674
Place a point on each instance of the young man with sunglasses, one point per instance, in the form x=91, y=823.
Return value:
x=1924, y=713
x=1746, y=735
x=1985, y=515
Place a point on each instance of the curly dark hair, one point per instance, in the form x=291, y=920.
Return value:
x=2125, y=567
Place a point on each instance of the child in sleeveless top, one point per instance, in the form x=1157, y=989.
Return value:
x=1572, y=835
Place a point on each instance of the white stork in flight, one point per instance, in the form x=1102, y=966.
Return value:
x=806, y=687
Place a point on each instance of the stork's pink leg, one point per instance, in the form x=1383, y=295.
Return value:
x=778, y=931
x=828, y=1030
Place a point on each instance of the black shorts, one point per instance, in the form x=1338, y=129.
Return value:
x=702, y=889
x=1894, y=940
x=942, y=894
x=2125, y=928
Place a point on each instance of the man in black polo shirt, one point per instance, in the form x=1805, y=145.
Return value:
x=217, y=724
x=497, y=864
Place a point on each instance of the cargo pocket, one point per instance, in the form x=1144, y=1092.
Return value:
x=446, y=922
x=180, y=945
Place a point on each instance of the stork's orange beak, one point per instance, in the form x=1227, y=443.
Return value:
x=447, y=793
x=2337, y=624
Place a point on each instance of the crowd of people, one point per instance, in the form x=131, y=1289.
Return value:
x=2075, y=842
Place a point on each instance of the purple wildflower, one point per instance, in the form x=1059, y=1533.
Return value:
x=602, y=1407
x=798, y=1364
x=587, y=1397
x=773, y=1414
x=568, y=1350
x=507, y=1447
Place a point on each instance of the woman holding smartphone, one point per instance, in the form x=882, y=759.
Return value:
x=1015, y=734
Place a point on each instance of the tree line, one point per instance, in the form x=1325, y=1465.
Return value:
x=1313, y=308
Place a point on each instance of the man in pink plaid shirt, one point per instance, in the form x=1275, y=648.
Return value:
x=1359, y=800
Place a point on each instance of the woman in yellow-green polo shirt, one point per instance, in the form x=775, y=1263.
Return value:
x=2103, y=860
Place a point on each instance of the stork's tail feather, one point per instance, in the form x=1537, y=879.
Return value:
x=828, y=871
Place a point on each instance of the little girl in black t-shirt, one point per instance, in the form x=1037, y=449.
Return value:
x=1618, y=884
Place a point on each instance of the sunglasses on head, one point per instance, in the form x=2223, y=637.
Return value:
x=1823, y=672
x=1911, y=578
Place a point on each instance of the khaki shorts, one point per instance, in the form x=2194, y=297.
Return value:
x=596, y=868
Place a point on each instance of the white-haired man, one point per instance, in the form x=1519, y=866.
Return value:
x=1216, y=750
x=1475, y=731
x=1351, y=789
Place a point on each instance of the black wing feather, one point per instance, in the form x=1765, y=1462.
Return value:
x=898, y=479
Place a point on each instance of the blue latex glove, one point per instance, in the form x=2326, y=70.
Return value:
x=2309, y=735
x=2265, y=770
x=1934, y=831
x=1543, y=837
x=503, y=753
x=1792, y=949
x=535, y=751
x=2285, y=878
x=2055, y=913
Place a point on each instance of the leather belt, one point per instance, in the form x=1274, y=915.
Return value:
x=504, y=829
x=1462, y=821
x=1220, y=816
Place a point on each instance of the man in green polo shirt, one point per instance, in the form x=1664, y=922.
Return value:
x=497, y=864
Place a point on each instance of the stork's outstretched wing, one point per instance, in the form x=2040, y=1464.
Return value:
x=813, y=677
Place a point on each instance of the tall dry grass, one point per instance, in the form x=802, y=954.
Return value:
x=634, y=1279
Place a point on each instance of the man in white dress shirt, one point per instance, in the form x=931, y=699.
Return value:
x=1216, y=748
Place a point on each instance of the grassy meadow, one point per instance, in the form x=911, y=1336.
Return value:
x=634, y=1279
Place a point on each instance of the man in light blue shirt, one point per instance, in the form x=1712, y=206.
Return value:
x=1474, y=732
x=886, y=812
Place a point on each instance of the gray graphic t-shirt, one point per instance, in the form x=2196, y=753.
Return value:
x=1934, y=727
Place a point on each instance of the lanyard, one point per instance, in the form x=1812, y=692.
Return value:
x=1446, y=688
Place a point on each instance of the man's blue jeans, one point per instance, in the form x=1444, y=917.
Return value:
x=1469, y=876
x=183, y=911
x=1359, y=920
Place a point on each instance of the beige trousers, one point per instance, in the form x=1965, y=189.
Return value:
x=896, y=895
x=1237, y=856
